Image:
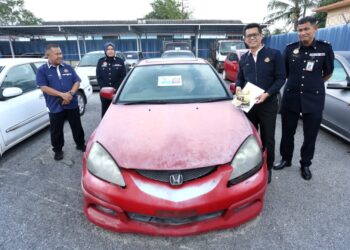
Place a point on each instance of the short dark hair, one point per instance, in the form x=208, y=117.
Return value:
x=251, y=26
x=51, y=45
x=308, y=19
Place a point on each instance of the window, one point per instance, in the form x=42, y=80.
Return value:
x=21, y=76
x=233, y=57
x=339, y=73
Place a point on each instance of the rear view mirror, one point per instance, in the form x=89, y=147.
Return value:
x=107, y=93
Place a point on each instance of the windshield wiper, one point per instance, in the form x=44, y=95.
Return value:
x=214, y=99
x=146, y=102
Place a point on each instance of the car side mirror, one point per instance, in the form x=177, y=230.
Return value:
x=107, y=93
x=10, y=92
x=232, y=87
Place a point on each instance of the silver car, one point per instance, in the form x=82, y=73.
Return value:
x=336, y=114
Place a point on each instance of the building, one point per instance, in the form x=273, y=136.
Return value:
x=337, y=13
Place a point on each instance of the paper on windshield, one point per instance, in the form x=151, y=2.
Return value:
x=246, y=100
x=169, y=81
x=233, y=47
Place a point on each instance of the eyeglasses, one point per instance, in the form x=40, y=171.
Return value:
x=252, y=36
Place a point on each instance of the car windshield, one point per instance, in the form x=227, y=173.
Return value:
x=226, y=47
x=1, y=67
x=131, y=55
x=177, y=54
x=90, y=60
x=173, y=46
x=173, y=83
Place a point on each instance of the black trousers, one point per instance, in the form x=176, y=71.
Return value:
x=56, y=128
x=263, y=116
x=104, y=105
x=311, y=126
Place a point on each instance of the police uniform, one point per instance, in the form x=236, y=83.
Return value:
x=61, y=78
x=306, y=66
x=110, y=72
x=268, y=73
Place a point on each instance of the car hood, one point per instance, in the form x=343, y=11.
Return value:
x=89, y=71
x=172, y=136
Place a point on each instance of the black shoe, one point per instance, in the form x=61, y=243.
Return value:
x=269, y=175
x=58, y=155
x=282, y=164
x=305, y=173
x=81, y=147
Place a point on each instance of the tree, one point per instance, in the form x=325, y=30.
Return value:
x=167, y=9
x=290, y=11
x=322, y=16
x=12, y=12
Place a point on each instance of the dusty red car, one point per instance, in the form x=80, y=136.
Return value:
x=231, y=65
x=172, y=155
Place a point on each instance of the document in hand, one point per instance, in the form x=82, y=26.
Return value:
x=247, y=98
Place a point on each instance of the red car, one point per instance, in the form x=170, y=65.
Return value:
x=172, y=156
x=231, y=65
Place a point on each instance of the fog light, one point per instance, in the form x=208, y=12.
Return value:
x=105, y=210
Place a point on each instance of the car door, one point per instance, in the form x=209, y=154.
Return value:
x=336, y=114
x=232, y=66
x=25, y=114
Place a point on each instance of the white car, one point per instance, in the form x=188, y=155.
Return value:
x=23, y=110
x=87, y=65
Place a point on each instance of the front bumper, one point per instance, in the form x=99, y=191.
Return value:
x=150, y=207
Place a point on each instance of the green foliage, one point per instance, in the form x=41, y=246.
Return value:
x=322, y=16
x=12, y=12
x=289, y=11
x=167, y=9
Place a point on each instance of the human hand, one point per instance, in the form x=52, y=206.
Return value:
x=261, y=98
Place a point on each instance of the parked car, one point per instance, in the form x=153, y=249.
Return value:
x=87, y=65
x=172, y=155
x=23, y=109
x=231, y=65
x=133, y=57
x=178, y=54
x=336, y=114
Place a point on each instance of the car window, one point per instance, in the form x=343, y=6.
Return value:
x=339, y=73
x=21, y=76
x=38, y=64
x=121, y=55
x=131, y=55
x=1, y=67
x=90, y=60
x=180, y=82
x=233, y=57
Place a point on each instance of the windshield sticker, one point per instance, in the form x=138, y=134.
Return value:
x=129, y=56
x=169, y=81
x=233, y=47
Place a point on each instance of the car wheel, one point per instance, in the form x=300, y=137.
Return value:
x=81, y=102
x=224, y=75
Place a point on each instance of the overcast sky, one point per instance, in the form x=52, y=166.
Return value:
x=74, y=10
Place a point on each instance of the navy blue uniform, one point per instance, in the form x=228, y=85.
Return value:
x=268, y=73
x=110, y=72
x=304, y=93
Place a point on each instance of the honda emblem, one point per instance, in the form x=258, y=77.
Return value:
x=176, y=179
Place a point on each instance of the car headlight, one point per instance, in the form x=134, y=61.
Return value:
x=247, y=161
x=102, y=165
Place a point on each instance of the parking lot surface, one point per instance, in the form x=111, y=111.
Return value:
x=41, y=202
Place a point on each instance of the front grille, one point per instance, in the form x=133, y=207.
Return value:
x=188, y=174
x=173, y=221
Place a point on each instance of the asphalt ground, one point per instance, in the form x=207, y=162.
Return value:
x=41, y=202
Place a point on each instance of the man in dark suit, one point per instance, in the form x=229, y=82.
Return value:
x=309, y=63
x=265, y=68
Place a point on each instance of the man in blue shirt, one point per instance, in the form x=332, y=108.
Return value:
x=263, y=67
x=59, y=83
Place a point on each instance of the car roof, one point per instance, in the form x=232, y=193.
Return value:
x=15, y=61
x=158, y=61
x=345, y=54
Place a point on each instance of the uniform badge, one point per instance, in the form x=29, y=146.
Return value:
x=267, y=59
x=66, y=71
x=104, y=64
x=296, y=51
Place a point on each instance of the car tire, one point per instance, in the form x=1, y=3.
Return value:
x=81, y=102
x=224, y=75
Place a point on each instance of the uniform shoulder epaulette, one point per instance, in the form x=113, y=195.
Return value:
x=293, y=43
x=323, y=41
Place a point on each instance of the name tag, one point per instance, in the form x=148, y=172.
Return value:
x=317, y=54
x=310, y=65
